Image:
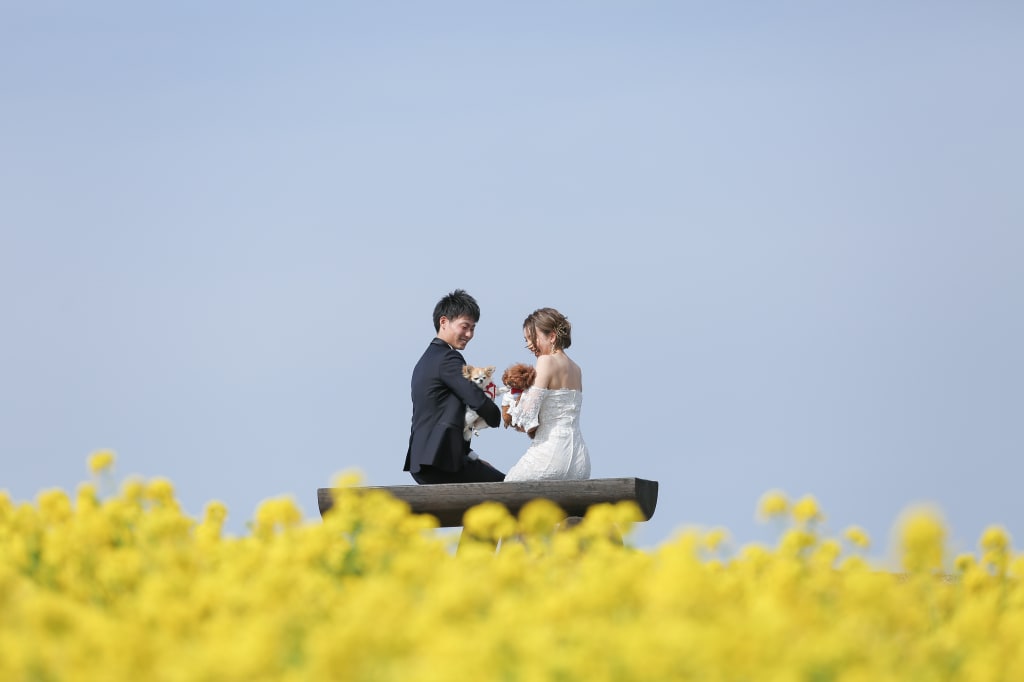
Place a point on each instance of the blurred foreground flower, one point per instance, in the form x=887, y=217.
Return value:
x=540, y=517
x=274, y=515
x=773, y=504
x=134, y=588
x=995, y=545
x=714, y=539
x=350, y=478
x=922, y=537
x=806, y=510
x=858, y=536
x=489, y=521
x=101, y=461
x=995, y=539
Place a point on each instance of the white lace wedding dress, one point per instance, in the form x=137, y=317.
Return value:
x=557, y=451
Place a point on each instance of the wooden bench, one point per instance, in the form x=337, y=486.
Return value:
x=449, y=501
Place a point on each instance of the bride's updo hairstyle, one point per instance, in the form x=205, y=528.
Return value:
x=545, y=321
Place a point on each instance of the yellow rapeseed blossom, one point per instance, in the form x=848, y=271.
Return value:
x=858, y=536
x=133, y=490
x=489, y=521
x=608, y=522
x=131, y=587
x=995, y=539
x=54, y=505
x=161, y=491
x=87, y=497
x=540, y=517
x=101, y=460
x=995, y=545
x=215, y=512
x=715, y=538
x=795, y=541
x=347, y=479
x=276, y=514
x=214, y=515
x=827, y=552
x=806, y=510
x=773, y=504
x=964, y=562
x=922, y=535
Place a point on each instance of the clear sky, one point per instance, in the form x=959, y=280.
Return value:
x=789, y=237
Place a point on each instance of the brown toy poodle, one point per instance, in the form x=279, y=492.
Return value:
x=517, y=378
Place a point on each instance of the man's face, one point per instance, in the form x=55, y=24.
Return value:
x=458, y=332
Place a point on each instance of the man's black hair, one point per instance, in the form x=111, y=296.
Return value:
x=454, y=305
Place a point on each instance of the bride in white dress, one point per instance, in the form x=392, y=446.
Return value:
x=549, y=411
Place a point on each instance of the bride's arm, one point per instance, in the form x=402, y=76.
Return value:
x=525, y=412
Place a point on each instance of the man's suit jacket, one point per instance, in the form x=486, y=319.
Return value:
x=440, y=396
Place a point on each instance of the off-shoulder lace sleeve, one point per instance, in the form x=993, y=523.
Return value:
x=524, y=413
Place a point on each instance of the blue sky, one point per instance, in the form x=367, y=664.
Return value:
x=788, y=236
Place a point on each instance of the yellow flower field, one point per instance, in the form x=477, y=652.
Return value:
x=128, y=587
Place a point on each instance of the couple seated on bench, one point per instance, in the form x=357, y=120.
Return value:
x=548, y=412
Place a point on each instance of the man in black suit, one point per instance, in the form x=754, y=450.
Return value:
x=438, y=451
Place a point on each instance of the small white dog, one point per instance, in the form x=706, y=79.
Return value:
x=479, y=376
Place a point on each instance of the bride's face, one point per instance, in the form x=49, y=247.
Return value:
x=542, y=344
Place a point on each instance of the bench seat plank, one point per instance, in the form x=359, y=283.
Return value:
x=449, y=501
